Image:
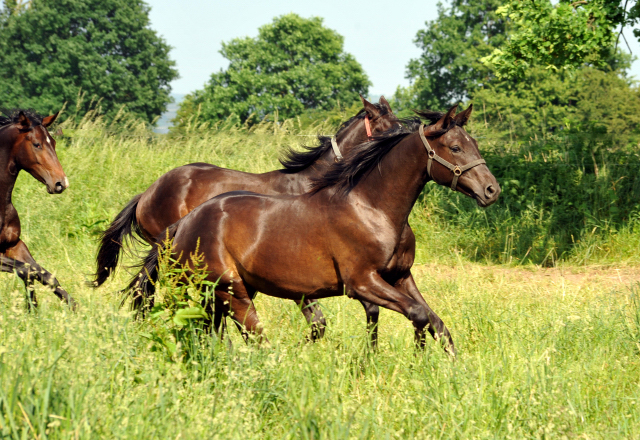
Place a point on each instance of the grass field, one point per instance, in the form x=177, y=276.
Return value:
x=542, y=353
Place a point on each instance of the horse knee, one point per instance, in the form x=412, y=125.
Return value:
x=419, y=317
x=372, y=311
x=49, y=279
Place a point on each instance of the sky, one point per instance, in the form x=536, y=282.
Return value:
x=378, y=33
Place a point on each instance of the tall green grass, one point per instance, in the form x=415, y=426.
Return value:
x=540, y=354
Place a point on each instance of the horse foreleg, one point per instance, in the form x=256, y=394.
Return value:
x=311, y=311
x=370, y=287
x=30, y=271
x=373, y=312
x=436, y=326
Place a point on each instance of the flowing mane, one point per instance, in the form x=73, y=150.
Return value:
x=12, y=116
x=358, y=162
x=296, y=161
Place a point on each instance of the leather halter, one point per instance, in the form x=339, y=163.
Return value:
x=336, y=150
x=334, y=144
x=455, y=169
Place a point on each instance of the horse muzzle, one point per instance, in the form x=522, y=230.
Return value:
x=59, y=186
x=489, y=196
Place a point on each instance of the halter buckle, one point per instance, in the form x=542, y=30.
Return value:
x=432, y=154
x=457, y=171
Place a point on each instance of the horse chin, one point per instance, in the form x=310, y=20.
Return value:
x=481, y=203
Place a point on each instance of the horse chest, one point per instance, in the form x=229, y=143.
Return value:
x=9, y=226
x=402, y=259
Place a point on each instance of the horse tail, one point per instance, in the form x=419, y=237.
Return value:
x=142, y=287
x=112, y=239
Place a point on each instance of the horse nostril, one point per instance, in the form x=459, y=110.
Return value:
x=489, y=191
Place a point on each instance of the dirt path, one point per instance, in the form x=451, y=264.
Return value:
x=577, y=276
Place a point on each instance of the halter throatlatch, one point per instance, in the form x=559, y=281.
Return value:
x=455, y=169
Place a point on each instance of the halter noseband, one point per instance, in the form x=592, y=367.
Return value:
x=455, y=169
x=334, y=144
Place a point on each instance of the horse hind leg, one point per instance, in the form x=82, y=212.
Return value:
x=242, y=310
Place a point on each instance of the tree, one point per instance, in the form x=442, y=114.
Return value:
x=449, y=70
x=294, y=64
x=601, y=105
x=565, y=35
x=52, y=51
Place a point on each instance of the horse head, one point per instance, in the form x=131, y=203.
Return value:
x=34, y=150
x=454, y=157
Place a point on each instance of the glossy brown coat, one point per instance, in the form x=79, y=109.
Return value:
x=182, y=189
x=330, y=242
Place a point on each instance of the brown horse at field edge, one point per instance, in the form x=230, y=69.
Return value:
x=26, y=145
x=339, y=238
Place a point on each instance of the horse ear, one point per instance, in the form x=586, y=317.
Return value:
x=24, y=121
x=462, y=117
x=48, y=120
x=448, y=118
x=444, y=123
x=383, y=102
x=371, y=109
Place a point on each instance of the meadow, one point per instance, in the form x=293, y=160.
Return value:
x=547, y=348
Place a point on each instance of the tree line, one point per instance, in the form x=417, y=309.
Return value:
x=531, y=65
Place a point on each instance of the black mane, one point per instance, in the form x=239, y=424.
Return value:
x=296, y=161
x=358, y=162
x=13, y=114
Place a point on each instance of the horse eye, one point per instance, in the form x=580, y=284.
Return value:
x=456, y=149
x=36, y=144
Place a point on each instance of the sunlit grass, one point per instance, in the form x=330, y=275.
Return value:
x=542, y=353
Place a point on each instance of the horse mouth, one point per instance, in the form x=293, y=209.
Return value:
x=481, y=203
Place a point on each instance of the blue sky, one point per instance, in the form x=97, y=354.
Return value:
x=378, y=33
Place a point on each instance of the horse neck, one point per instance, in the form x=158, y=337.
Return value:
x=394, y=186
x=346, y=139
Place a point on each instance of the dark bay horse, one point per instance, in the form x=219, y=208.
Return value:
x=342, y=237
x=182, y=189
x=25, y=144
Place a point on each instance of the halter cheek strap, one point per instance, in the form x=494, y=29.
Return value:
x=455, y=169
x=336, y=150
x=334, y=144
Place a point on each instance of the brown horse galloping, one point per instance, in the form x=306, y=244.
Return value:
x=25, y=144
x=182, y=189
x=341, y=237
